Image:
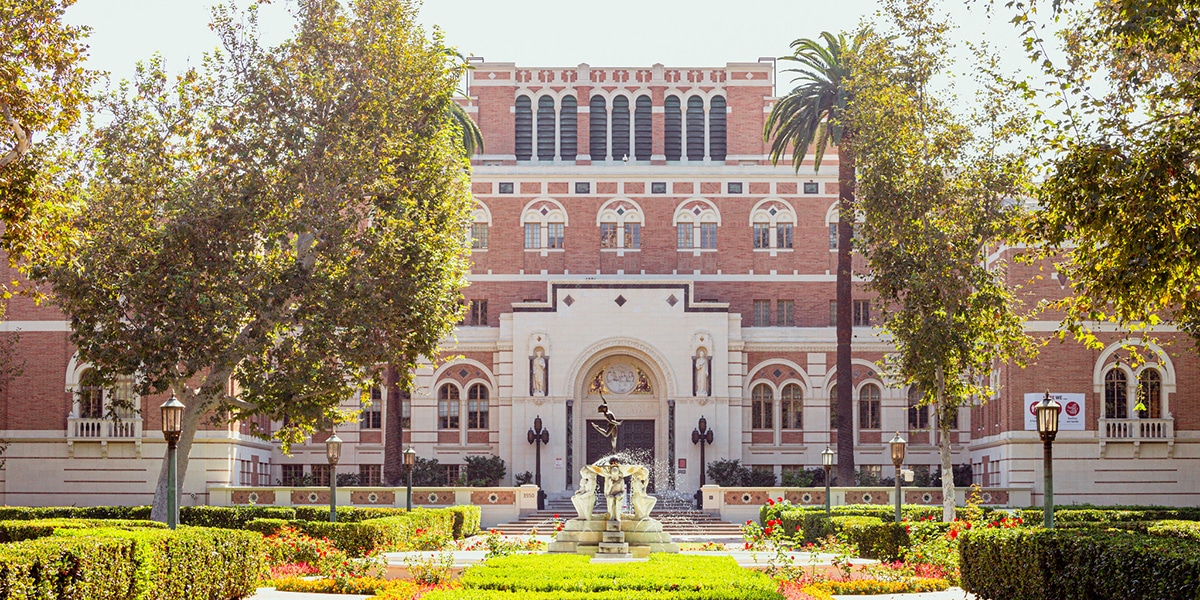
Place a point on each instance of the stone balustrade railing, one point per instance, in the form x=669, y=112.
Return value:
x=737, y=505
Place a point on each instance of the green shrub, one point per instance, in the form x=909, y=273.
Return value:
x=16, y=531
x=231, y=517
x=422, y=529
x=1112, y=514
x=466, y=520
x=129, y=564
x=485, y=471
x=574, y=576
x=346, y=514
x=87, y=568
x=1041, y=564
x=474, y=594
x=874, y=538
x=1188, y=530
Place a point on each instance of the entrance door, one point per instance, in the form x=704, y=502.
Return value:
x=634, y=436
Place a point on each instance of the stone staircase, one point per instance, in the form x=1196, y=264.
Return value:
x=678, y=517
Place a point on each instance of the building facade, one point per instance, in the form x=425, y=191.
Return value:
x=633, y=245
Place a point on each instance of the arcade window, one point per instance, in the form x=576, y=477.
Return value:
x=477, y=314
x=762, y=313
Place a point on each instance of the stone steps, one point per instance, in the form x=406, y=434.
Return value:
x=678, y=523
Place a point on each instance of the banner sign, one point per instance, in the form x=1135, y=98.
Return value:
x=1070, y=415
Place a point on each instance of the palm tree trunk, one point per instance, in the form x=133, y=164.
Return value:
x=393, y=431
x=845, y=378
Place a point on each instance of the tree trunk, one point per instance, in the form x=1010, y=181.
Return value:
x=393, y=432
x=944, y=447
x=192, y=412
x=845, y=323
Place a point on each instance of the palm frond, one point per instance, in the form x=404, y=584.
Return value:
x=808, y=115
x=472, y=138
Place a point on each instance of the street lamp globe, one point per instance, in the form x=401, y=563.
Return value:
x=827, y=457
x=898, y=447
x=333, y=449
x=410, y=457
x=1047, y=418
x=172, y=418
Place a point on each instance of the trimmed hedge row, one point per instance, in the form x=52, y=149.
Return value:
x=1113, y=514
x=874, y=537
x=131, y=564
x=466, y=518
x=17, y=531
x=1041, y=564
x=364, y=537
x=1188, y=530
x=574, y=576
x=794, y=515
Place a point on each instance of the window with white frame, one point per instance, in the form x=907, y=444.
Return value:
x=918, y=415
x=762, y=407
x=96, y=400
x=772, y=221
x=477, y=407
x=264, y=474
x=868, y=407
x=1116, y=399
x=620, y=222
x=762, y=313
x=791, y=405
x=544, y=221
x=786, y=313
x=371, y=415
x=1150, y=394
x=448, y=406
x=479, y=236
x=696, y=224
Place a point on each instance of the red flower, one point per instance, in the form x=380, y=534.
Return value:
x=556, y=516
x=747, y=545
x=797, y=528
x=749, y=522
x=770, y=502
x=953, y=534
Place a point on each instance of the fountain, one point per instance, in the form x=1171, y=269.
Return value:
x=615, y=534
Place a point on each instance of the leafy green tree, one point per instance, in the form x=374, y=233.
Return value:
x=813, y=116
x=268, y=233
x=937, y=191
x=1119, y=204
x=43, y=92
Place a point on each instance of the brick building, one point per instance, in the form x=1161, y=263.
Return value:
x=631, y=239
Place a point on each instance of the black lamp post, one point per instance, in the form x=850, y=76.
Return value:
x=410, y=461
x=897, y=445
x=333, y=451
x=172, y=427
x=1047, y=425
x=827, y=462
x=538, y=436
x=704, y=436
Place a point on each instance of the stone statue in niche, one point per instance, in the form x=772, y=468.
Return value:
x=538, y=375
x=701, y=367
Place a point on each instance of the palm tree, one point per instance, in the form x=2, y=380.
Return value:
x=813, y=115
x=472, y=138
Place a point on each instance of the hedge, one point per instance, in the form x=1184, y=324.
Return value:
x=791, y=516
x=1042, y=564
x=225, y=517
x=1117, y=514
x=132, y=564
x=874, y=538
x=365, y=537
x=1188, y=530
x=872, y=587
x=466, y=520
x=17, y=531
x=346, y=514
x=575, y=576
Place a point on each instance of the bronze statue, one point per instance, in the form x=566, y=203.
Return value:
x=609, y=431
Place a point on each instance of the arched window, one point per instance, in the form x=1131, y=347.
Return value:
x=545, y=128
x=643, y=129
x=477, y=407
x=598, y=129
x=620, y=128
x=1150, y=394
x=524, y=127
x=95, y=401
x=833, y=415
x=568, y=129
x=716, y=128
x=763, y=407
x=868, y=407
x=918, y=416
x=672, y=128
x=791, y=403
x=448, y=406
x=695, y=128
x=1116, y=403
x=90, y=396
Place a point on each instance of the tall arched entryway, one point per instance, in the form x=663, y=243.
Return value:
x=635, y=388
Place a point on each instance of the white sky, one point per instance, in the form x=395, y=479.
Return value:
x=539, y=32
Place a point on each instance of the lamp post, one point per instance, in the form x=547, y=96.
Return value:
x=410, y=461
x=333, y=451
x=704, y=436
x=538, y=436
x=827, y=462
x=172, y=427
x=897, y=445
x=1047, y=425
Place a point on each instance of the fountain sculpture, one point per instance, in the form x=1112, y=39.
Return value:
x=613, y=534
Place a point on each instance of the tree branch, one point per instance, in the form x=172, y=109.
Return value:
x=22, y=146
